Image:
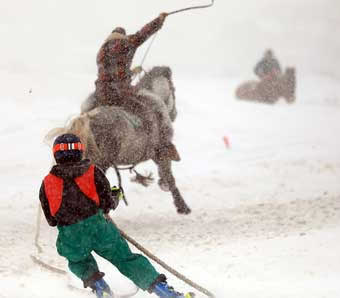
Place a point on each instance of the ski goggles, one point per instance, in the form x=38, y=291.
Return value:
x=68, y=146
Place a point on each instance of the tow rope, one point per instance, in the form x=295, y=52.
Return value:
x=36, y=258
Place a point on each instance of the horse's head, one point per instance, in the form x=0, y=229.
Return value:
x=159, y=81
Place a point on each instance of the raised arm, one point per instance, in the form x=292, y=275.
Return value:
x=148, y=30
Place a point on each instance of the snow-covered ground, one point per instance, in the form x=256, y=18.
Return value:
x=265, y=218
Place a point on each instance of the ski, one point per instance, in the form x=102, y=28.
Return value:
x=115, y=295
x=59, y=271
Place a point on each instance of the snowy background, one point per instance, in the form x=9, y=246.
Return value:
x=265, y=216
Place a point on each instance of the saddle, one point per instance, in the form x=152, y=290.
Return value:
x=138, y=113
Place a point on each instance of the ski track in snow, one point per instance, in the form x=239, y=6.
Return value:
x=229, y=234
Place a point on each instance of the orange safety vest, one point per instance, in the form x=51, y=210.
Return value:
x=54, y=187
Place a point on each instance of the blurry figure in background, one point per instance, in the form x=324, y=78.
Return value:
x=273, y=83
x=268, y=68
x=113, y=86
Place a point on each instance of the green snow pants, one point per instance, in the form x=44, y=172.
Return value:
x=76, y=242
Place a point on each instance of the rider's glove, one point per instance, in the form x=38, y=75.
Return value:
x=162, y=16
x=117, y=195
x=137, y=70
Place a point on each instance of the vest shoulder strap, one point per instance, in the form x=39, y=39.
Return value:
x=86, y=184
x=53, y=186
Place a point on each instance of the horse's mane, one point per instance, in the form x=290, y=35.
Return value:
x=158, y=71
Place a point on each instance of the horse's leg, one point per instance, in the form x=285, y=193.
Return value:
x=167, y=183
x=288, y=84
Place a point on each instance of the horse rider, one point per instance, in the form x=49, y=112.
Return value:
x=268, y=68
x=113, y=85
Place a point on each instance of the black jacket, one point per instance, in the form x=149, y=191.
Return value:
x=75, y=205
x=266, y=66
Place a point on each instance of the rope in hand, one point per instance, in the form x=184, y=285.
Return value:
x=120, y=184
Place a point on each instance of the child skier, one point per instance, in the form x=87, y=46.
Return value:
x=74, y=196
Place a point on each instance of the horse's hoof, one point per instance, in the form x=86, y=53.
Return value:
x=290, y=99
x=184, y=210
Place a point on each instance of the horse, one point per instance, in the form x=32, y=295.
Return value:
x=269, y=91
x=114, y=137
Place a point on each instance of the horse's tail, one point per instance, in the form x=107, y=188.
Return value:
x=89, y=103
x=53, y=133
x=79, y=126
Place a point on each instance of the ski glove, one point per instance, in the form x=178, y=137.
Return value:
x=117, y=193
x=137, y=70
x=163, y=15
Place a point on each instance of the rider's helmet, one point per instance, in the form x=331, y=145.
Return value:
x=67, y=148
x=119, y=30
x=268, y=53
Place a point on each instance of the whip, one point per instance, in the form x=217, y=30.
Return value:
x=171, y=13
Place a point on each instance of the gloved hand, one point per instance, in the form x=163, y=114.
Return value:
x=137, y=70
x=162, y=16
x=117, y=193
